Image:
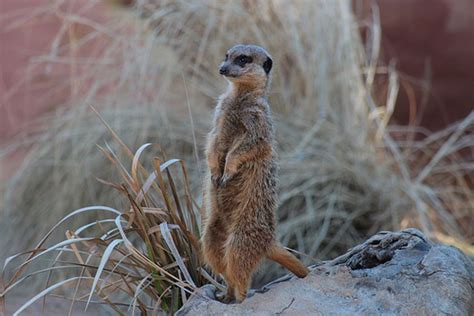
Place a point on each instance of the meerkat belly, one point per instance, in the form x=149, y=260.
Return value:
x=249, y=199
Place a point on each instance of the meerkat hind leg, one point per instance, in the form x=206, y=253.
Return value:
x=213, y=246
x=230, y=293
x=214, y=254
x=241, y=263
x=228, y=296
x=242, y=284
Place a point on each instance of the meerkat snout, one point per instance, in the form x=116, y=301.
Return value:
x=224, y=69
x=243, y=62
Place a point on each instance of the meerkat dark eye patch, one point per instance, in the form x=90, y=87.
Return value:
x=242, y=60
x=226, y=57
x=267, y=65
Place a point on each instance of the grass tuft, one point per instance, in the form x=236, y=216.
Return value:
x=145, y=258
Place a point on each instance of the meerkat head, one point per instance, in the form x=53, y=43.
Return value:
x=247, y=64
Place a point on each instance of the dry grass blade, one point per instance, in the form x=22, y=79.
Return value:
x=44, y=292
x=138, y=289
x=103, y=261
x=164, y=228
x=2, y=298
x=445, y=149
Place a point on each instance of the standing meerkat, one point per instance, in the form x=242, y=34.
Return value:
x=240, y=191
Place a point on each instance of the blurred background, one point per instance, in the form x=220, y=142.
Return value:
x=373, y=102
x=430, y=42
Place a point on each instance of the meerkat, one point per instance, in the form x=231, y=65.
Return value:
x=240, y=191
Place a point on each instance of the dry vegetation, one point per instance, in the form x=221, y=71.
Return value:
x=153, y=78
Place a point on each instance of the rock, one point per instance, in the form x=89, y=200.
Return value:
x=392, y=273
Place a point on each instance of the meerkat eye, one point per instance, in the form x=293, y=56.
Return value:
x=226, y=57
x=241, y=60
x=267, y=65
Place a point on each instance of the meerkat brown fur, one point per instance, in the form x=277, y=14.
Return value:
x=240, y=188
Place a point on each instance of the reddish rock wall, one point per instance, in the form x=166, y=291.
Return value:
x=432, y=42
x=30, y=87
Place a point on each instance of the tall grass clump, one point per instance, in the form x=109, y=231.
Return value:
x=153, y=77
x=144, y=257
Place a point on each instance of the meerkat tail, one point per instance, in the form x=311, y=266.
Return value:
x=287, y=260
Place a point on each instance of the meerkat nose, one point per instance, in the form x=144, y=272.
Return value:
x=223, y=70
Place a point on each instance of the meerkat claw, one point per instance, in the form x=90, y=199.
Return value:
x=216, y=180
x=224, y=180
x=227, y=299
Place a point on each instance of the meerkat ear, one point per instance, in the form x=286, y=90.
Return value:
x=267, y=65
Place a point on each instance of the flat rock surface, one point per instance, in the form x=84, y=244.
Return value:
x=392, y=273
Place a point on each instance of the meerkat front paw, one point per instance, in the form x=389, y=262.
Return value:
x=230, y=170
x=225, y=179
x=216, y=178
